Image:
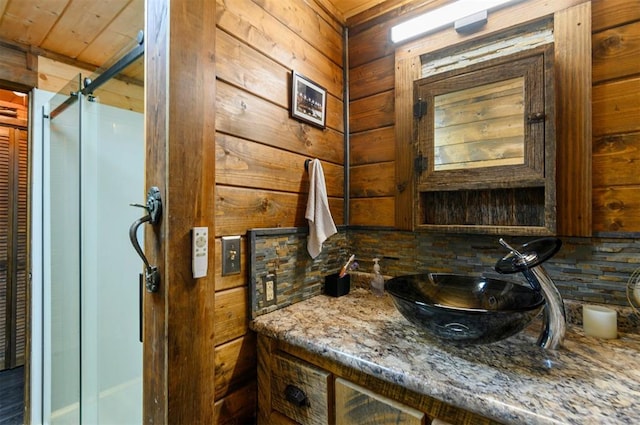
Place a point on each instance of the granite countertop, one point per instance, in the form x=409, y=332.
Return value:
x=587, y=381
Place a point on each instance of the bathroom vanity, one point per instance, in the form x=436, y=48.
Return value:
x=356, y=358
x=297, y=386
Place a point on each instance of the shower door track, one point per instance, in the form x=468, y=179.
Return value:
x=113, y=70
x=117, y=67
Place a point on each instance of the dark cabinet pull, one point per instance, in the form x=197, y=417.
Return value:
x=296, y=396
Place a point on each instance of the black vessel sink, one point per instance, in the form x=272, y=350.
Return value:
x=464, y=309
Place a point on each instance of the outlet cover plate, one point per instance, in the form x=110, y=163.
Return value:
x=269, y=289
x=231, y=255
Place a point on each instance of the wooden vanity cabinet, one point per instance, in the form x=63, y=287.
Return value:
x=356, y=405
x=298, y=387
x=299, y=390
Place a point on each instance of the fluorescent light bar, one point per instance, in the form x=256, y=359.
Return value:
x=441, y=17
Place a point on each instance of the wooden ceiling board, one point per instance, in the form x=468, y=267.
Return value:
x=81, y=23
x=350, y=8
x=135, y=71
x=29, y=22
x=119, y=37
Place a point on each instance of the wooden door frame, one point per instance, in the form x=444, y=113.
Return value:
x=178, y=347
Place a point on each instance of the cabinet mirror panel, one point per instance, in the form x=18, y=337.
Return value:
x=484, y=126
x=484, y=147
x=480, y=126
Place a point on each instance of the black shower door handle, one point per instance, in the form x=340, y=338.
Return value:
x=154, y=213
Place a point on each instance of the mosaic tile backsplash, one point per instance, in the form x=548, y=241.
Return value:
x=592, y=270
x=280, y=255
x=585, y=269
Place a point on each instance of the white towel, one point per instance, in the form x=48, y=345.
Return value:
x=321, y=224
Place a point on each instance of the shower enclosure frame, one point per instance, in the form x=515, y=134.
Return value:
x=87, y=93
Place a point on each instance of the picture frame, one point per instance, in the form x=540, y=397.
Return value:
x=308, y=101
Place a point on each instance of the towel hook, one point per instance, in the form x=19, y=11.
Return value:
x=306, y=164
x=154, y=212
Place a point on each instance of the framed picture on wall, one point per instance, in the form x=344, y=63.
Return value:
x=308, y=101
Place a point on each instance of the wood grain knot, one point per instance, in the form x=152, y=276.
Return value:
x=612, y=41
x=615, y=226
x=615, y=205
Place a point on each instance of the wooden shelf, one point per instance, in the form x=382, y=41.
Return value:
x=489, y=209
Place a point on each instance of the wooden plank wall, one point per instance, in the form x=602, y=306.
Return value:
x=616, y=115
x=616, y=112
x=372, y=114
x=260, y=153
x=374, y=109
x=371, y=122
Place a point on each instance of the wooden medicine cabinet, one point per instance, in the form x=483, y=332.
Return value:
x=484, y=156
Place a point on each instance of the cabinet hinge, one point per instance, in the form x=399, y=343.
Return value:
x=535, y=117
x=419, y=164
x=420, y=108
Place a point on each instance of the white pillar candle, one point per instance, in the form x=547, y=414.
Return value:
x=600, y=322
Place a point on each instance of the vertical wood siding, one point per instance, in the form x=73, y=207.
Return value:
x=179, y=319
x=260, y=154
x=573, y=94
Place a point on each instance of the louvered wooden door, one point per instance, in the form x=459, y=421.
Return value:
x=13, y=245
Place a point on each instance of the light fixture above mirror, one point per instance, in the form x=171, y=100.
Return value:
x=442, y=17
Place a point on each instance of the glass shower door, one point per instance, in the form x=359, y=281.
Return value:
x=61, y=241
x=94, y=168
x=112, y=177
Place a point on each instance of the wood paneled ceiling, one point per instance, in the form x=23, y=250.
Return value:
x=349, y=8
x=90, y=32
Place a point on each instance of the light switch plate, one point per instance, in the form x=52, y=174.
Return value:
x=231, y=255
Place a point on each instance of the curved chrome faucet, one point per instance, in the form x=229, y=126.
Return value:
x=528, y=260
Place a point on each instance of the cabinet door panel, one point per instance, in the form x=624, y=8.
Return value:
x=359, y=406
x=313, y=382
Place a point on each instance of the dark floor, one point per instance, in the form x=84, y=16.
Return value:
x=11, y=396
